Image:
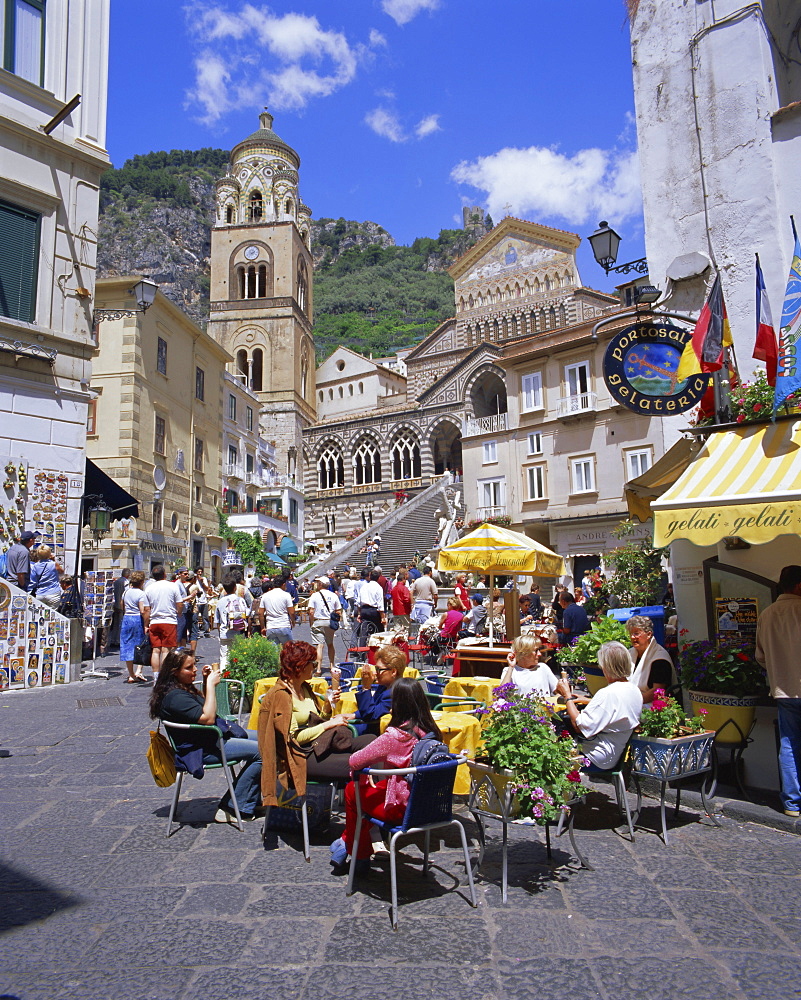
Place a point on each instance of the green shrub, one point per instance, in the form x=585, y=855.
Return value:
x=586, y=649
x=250, y=659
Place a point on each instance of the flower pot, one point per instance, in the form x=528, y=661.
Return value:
x=594, y=678
x=491, y=792
x=668, y=759
x=730, y=717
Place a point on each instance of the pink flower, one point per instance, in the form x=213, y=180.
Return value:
x=703, y=711
x=740, y=418
x=574, y=776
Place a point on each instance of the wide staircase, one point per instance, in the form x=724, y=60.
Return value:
x=412, y=527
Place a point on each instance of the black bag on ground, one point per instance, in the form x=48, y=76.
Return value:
x=142, y=653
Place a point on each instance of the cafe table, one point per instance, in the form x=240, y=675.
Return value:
x=318, y=684
x=461, y=733
x=479, y=688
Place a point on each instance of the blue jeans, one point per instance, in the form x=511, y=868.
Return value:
x=790, y=751
x=278, y=635
x=247, y=786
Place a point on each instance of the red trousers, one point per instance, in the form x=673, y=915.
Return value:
x=373, y=803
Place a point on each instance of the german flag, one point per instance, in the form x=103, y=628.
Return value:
x=712, y=335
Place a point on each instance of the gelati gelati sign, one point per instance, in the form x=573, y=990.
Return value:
x=640, y=367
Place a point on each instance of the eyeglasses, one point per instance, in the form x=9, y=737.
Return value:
x=381, y=670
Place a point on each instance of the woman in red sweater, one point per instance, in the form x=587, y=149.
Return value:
x=385, y=800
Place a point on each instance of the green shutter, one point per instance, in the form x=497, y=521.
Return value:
x=19, y=260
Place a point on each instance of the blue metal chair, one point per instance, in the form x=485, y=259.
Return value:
x=430, y=807
x=173, y=731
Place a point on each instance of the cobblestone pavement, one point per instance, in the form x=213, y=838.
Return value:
x=97, y=904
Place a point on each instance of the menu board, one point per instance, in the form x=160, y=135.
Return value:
x=34, y=641
x=736, y=618
x=98, y=597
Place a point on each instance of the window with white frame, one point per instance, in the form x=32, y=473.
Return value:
x=491, y=497
x=22, y=39
x=638, y=462
x=577, y=379
x=490, y=452
x=535, y=443
x=582, y=474
x=531, y=392
x=231, y=406
x=535, y=482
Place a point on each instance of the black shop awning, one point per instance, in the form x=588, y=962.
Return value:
x=100, y=484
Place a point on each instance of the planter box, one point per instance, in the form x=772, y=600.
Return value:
x=730, y=717
x=594, y=678
x=491, y=791
x=667, y=760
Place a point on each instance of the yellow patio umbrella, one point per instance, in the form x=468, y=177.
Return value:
x=492, y=550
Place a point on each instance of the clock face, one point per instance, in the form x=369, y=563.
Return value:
x=251, y=253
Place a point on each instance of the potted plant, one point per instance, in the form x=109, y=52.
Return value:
x=583, y=654
x=727, y=682
x=531, y=765
x=668, y=744
x=250, y=659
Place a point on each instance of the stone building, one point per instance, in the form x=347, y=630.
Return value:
x=519, y=280
x=717, y=90
x=261, y=287
x=52, y=153
x=155, y=427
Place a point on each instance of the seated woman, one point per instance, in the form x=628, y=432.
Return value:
x=604, y=726
x=175, y=699
x=450, y=622
x=386, y=799
x=653, y=667
x=525, y=671
x=292, y=718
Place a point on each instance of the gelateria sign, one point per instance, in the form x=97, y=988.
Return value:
x=756, y=523
x=640, y=368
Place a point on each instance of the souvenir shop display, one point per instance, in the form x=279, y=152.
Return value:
x=34, y=641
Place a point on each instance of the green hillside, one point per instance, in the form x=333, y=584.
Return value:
x=369, y=294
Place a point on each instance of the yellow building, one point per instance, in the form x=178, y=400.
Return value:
x=155, y=427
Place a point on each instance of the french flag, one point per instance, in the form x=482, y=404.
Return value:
x=765, y=347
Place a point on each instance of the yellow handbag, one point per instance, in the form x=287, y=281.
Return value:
x=161, y=759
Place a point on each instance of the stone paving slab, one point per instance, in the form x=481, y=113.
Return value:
x=99, y=905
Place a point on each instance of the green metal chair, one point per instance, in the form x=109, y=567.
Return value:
x=224, y=700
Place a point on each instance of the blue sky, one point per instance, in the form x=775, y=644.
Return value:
x=402, y=111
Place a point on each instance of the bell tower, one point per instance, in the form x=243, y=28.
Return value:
x=261, y=286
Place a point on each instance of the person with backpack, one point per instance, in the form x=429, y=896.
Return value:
x=324, y=609
x=230, y=617
x=411, y=723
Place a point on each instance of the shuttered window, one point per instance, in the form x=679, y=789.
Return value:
x=19, y=260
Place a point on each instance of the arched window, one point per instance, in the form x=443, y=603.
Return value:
x=240, y=281
x=330, y=393
x=304, y=376
x=461, y=304
x=505, y=327
x=341, y=392
x=257, y=371
x=366, y=463
x=331, y=468
x=261, y=282
x=242, y=366
x=288, y=206
x=562, y=316
x=350, y=389
x=533, y=321
x=547, y=282
x=229, y=214
x=495, y=329
x=552, y=317
x=515, y=328
x=537, y=286
x=361, y=386
x=405, y=454
x=303, y=285
x=543, y=320
x=470, y=302
x=322, y=397
x=256, y=207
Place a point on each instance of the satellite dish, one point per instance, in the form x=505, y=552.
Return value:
x=159, y=477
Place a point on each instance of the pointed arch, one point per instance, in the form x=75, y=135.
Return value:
x=405, y=454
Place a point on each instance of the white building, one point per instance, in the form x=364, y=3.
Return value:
x=52, y=153
x=717, y=89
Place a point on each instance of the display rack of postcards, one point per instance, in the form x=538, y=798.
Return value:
x=47, y=509
x=98, y=608
x=34, y=640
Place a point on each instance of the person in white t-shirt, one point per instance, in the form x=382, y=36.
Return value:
x=230, y=617
x=166, y=605
x=277, y=613
x=525, y=671
x=322, y=604
x=605, y=725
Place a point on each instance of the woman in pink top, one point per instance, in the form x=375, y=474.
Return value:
x=385, y=800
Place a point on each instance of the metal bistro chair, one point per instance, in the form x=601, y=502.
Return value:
x=172, y=729
x=224, y=700
x=430, y=807
x=618, y=775
x=360, y=628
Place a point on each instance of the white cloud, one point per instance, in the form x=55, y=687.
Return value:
x=376, y=38
x=248, y=53
x=428, y=125
x=403, y=11
x=386, y=124
x=541, y=182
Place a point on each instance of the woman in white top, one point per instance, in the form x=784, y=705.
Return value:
x=322, y=604
x=607, y=722
x=135, y=619
x=525, y=671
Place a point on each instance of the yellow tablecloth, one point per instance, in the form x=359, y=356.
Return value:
x=318, y=684
x=462, y=734
x=479, y=688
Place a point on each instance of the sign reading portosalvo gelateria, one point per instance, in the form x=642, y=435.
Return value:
x=640, y=368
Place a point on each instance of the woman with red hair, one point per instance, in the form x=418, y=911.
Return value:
x=293, y=727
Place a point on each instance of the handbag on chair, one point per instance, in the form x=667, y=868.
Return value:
x=161, y=759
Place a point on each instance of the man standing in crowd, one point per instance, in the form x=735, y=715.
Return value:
x=203, y=600
x=371, y=607
x=424, y=595
x=18, y=560
x=120, y=586
x=401, y=601
x=778, y=641
x=574, y=619
x=166, y=607
x=277, y=613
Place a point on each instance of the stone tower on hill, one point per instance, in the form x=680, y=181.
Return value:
x=261, y=286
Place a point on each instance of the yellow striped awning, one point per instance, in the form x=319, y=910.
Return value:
x=744, y=482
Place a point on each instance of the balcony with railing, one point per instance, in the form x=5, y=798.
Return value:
x=575, y=406
x=485, y=513
x=474, y=426
x=233, y=471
